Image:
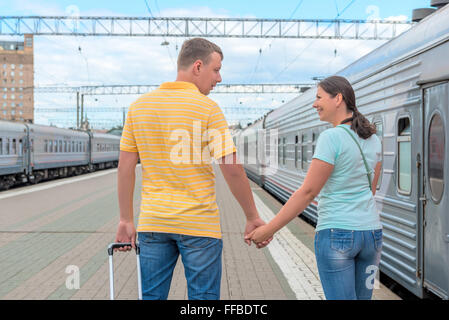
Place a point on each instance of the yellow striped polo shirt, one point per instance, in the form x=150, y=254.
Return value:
x=177, y=132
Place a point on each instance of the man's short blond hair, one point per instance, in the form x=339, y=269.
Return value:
x=196, y=49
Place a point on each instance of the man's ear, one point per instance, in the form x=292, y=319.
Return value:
x=197, y=65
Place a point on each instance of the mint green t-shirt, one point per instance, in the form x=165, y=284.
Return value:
x=346, y=201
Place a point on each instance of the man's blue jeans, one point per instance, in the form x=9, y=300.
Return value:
x=201, y=257
x=347, y=262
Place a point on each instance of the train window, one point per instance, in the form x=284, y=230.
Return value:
x=304, y=155
x=45, y=145
x=1, y=146
x=7, y=146
x=20, y=147
x=380, y=135
x=50, y=146
x=55, y=146
x=284, y=149
x=73, y=146
x=279, y=151
x=14, y=146
x=436, y=145
x=314, y=135
x=404, y=156
x=296, y=151
x=111, y=147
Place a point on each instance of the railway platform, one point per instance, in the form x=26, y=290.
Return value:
x=54, y=236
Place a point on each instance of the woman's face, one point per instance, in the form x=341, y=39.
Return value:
x=326, y=105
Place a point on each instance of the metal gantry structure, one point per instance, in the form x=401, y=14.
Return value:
x=251, y=111
x=195, y=27
x=142, y=89
x=202, y=27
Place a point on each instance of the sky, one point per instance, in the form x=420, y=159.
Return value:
x=126, y=60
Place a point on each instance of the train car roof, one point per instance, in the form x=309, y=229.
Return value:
x=432, y=30
x=11, y=126
x=53, y=130
x=258, y=124
x=97, y=135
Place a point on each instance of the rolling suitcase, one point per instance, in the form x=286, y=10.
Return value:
x=111, y=248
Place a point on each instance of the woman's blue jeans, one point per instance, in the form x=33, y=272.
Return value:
x=201, y=257
x=347, y=262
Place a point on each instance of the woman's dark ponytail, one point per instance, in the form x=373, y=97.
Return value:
x=335, y=85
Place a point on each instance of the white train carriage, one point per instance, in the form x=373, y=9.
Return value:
x=402, y=87
x=57, y=152
x=105, y=149
x=13, y=159
x=250, y=150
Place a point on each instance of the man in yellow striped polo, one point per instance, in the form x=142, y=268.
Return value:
x=177, y=131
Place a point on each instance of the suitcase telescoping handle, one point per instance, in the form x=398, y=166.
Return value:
x=111, y=248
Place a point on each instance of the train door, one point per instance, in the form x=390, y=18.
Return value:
x=31, y=149
x=436, y=192
x=26, y=150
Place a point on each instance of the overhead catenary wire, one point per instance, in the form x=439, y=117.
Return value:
x=310, y=43
x=165, y=40
x=264, y=47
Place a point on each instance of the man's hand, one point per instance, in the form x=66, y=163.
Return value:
x=261, y=235
x=251, y=225
x=126, y=233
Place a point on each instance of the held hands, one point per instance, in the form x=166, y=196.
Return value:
x=261, y=235
x=253, y=229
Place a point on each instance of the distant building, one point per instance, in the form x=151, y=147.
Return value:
x=17, y=80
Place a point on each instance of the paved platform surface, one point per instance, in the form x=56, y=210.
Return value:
x=53, y=240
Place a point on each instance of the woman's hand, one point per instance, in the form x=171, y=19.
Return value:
x=261, y=234
x=252, y=225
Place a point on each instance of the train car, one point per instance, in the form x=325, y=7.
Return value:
x=402, y=87
x=57, y=152
x=105, y=149
x=32, y=153
x=13, y=160
x=250, y=150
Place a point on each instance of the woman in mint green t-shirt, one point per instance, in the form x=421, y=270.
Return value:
x=348, y=238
